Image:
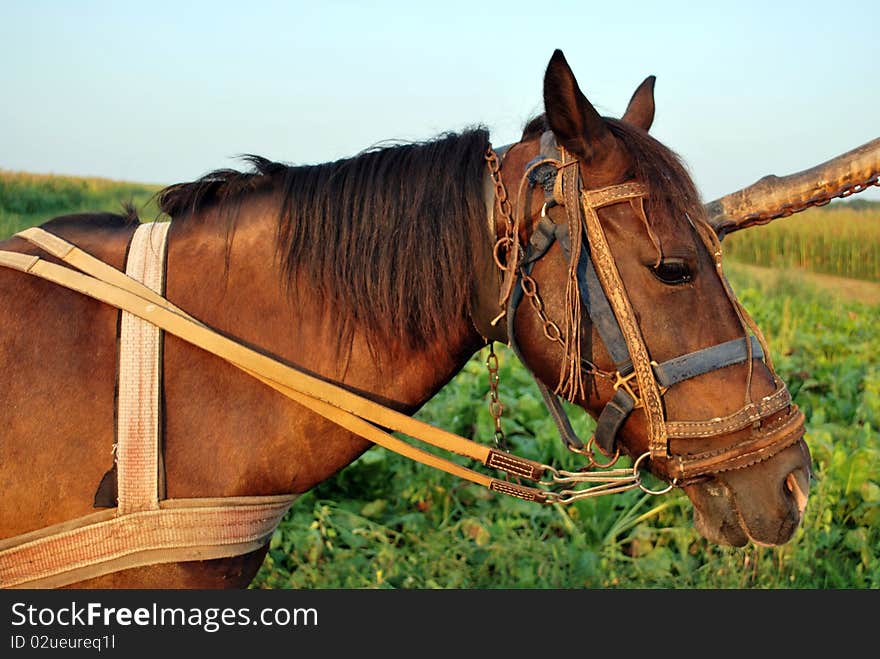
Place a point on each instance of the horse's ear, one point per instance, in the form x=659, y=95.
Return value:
x=572, y=118
x=640, y=111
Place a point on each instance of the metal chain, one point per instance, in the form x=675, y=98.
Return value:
x=529, y=285
x=503, y=246
x=505, y=210
x=551, y=329
x=496, y=407
x=530, y=290
x=817, y=200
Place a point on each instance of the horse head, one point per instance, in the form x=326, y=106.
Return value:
x=630, y=316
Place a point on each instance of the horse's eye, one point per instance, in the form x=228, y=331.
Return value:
x=672, y=272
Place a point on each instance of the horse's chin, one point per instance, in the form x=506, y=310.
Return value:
x=738, y=507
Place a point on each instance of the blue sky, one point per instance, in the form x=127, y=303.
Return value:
x=165, y=91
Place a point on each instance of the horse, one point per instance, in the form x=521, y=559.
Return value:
x=382, y=274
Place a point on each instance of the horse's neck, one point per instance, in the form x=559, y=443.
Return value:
x=269, y=444
x=236, y=284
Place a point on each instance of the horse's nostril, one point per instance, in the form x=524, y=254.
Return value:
x=798, y=485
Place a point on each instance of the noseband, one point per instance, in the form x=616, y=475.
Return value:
x=638, y=381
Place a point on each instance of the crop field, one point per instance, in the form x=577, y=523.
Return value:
x=30, y=199
x=837, y=239
x=386, y=522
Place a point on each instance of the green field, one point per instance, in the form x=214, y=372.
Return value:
x=385, y=522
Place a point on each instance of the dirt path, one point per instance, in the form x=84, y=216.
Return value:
x=849, y=289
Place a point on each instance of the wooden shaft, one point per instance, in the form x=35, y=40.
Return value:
x=773, y=196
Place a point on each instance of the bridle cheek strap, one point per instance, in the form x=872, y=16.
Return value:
x=609, y=277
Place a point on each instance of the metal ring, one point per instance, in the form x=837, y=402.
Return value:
x=503, y=243
x=589, y=449
x=644, y=489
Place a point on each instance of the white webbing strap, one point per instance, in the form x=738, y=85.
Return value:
x=137, y=427
x=102, y=543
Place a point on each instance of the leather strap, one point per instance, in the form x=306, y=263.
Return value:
x=671, y=372
x=601, y=314
x=764, y=443
x=611, y=420
x=703, y=361
x=609, y=277
x=751, y=413
x=540, y=242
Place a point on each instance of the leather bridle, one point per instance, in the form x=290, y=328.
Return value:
x=638, y=381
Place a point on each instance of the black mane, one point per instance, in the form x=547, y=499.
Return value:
x=388, y=238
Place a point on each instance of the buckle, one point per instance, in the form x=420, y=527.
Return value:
x=631, y=386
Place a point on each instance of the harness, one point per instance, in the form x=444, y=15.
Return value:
x=143, y=528
x=146, y=528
